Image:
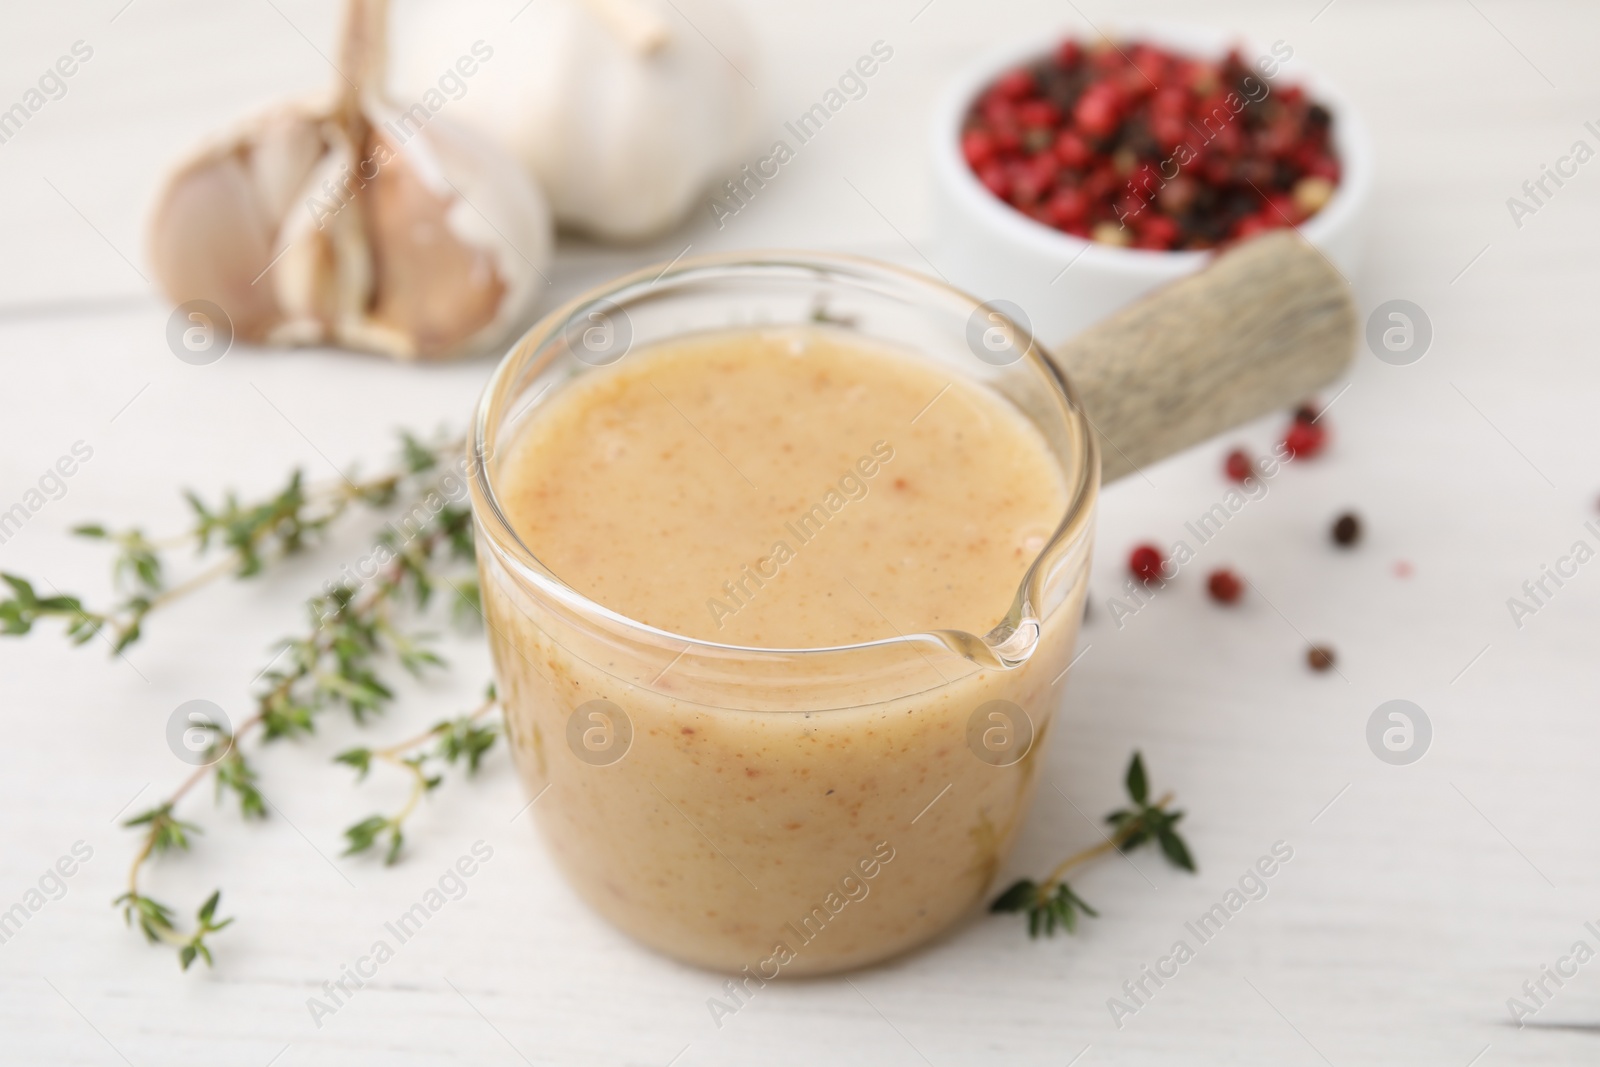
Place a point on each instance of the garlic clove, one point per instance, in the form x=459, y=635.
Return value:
x=458, y=236
x=433, y=286
x=211, y=233
x=285, y=144
x=323, y=277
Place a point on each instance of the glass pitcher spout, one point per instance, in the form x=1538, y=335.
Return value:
x=1006, y=647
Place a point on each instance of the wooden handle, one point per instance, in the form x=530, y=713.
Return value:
x=1261, y=328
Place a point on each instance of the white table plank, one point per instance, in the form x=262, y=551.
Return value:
x=1415, y=904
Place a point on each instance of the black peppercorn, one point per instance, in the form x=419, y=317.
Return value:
x=1346, y=530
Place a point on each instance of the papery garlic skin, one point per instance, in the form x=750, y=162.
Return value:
x=621, y=109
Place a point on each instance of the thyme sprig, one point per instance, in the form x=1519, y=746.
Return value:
x=249, y=534
x=451, y=740
x=355, y=627
x=335, y=663
x=1052, y=902
x=166, y=832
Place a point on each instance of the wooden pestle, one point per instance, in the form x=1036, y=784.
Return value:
x=1261, y=328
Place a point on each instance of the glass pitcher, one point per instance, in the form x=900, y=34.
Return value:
x=779, y=811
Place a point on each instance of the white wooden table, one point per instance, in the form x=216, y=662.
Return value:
x=1419, y=898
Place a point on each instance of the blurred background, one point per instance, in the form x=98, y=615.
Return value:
x=1421, y=898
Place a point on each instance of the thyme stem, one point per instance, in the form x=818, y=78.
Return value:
x=395, y=751
x=1110, y=844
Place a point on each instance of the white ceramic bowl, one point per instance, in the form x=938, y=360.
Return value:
x=1064, y=283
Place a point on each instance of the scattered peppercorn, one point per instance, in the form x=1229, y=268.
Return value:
x=1224, y=586
x=1239, y=466
x=1347, y=529
x=1146, y=562
x=1304, y=439
x=1135, y=145
x=1319, y=657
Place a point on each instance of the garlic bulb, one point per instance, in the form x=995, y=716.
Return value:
x=343, y=219
x=621, y=109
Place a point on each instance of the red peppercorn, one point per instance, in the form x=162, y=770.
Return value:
x=1152, y=64
x=994, y=178
x=1282, y=209
x=1157, y=232
x=1224, y=586
x=1170, y=102
x=1216, y=169
x=1213, y=109
x=1230, y=140
x=1032, y=178
x=1072, y=150
x=1043, y=168
x=998, y=111
x=1132, y=84
x=1251, y=225
x=1239, y=465
x=1146, y=563
x=1106, y=60
x=1038, y=113
x=1145, y=180
x=1169, y=131
x=1304, y=440
x=978, y=147
x=1324, y=167
x=1280, y=138
x=1066, y=207
x=1100, y=183
x=1096, y=110
x=1015, y=84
